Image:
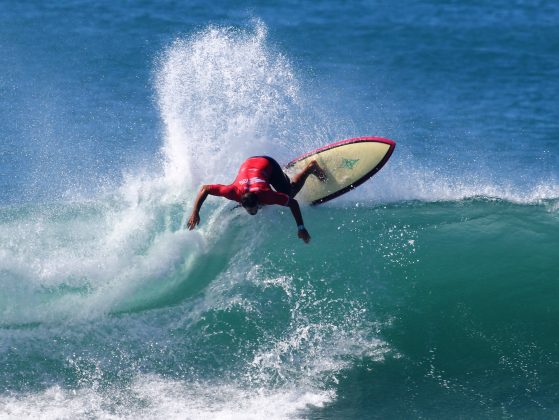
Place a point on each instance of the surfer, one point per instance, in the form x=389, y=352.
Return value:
x=252, y=189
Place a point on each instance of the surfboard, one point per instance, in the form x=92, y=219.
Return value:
x=347, y=163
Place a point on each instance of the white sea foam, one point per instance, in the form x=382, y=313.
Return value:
x=407, y=179
x=288, y=373
x=155, y=397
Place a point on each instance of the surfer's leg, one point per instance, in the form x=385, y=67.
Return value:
x=279, y=180
x=299, y=180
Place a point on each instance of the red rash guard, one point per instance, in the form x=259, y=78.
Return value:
x=254, y=175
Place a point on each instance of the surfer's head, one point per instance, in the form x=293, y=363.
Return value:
x=249, y=201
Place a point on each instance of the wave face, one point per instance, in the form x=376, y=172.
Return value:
x=428, y=291
x=453, y=301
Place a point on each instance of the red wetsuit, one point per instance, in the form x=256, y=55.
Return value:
x=254, y=176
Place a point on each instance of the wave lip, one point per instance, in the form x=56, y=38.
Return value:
x=401, y=181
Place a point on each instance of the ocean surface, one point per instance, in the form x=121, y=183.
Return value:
x=431, y=291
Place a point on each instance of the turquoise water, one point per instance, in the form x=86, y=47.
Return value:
x=429, y=292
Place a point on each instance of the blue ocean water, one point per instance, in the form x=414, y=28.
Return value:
x=431, y=291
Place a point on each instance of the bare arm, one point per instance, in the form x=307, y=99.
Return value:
x=195, y=215
x=296, y=211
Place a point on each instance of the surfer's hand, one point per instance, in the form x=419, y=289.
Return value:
x=193, y=221
x=304, y=235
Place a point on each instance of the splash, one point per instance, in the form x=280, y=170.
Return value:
x=224, y=95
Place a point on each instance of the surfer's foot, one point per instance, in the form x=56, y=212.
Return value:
x=317, y=171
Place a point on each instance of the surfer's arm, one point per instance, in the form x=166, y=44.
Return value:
x=296, y=211
x=195, y=215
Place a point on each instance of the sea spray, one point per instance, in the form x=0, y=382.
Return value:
x=224, y=94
